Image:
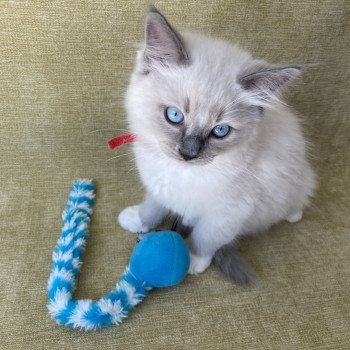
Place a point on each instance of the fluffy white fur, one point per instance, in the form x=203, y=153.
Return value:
x=261, y=177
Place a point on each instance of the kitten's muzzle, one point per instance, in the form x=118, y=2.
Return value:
x=191, y=147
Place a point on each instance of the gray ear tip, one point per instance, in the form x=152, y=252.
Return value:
x=152, y=9
x=154, y=15
x=296, y=69
x=153, y=12
x=294, y=72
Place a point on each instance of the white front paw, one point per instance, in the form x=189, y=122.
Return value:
x=295, y=217
x=129, y=219
x=198, y=263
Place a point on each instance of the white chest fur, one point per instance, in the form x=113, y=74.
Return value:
x=185, y=189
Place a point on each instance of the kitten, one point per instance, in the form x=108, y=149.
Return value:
x=215, y=145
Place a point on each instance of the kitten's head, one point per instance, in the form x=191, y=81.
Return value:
x=195, y=98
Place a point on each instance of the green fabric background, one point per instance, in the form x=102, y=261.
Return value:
x=64, y=68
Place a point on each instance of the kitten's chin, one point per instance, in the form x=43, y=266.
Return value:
x=200, y=161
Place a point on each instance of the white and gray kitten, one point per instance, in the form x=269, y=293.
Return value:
x=215, y=145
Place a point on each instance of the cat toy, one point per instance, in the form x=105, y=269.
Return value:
x=160, y=259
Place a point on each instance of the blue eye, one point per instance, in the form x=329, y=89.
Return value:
x=221, y=130
x=174, y=115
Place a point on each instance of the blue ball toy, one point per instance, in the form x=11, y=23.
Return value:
x=160, y=259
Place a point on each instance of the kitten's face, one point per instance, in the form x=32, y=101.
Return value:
x=194, y=103
x=193, y=115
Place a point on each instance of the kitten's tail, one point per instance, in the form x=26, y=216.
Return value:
x=228, y=261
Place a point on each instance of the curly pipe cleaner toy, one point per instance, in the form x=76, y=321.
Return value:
x=160, y=259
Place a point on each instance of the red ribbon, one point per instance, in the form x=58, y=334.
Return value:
x=121, y=140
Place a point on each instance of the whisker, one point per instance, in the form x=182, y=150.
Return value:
x=109, y=129
x=118, y=156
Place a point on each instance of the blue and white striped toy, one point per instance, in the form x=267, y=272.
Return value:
x=160, y=259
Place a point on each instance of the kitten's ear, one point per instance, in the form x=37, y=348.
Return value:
x=267, y=81
x=162, y=43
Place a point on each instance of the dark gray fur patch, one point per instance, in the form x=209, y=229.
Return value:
x=228, y=261
x=180, y=228
x=191, y=146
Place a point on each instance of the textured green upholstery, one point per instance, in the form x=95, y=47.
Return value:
x=64, y=68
